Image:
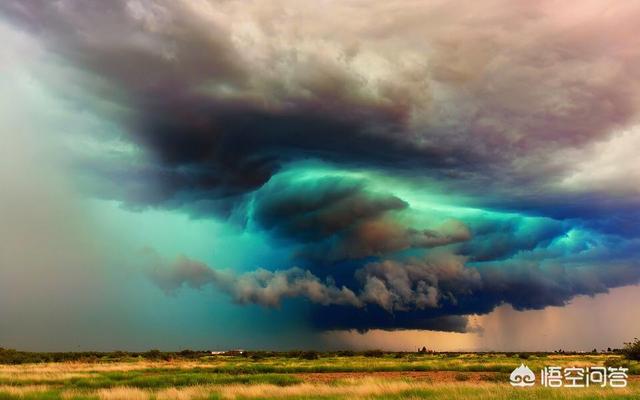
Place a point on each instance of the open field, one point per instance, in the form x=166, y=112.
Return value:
x=389, y=376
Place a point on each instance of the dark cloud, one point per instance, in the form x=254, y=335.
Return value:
x=337, y=218
x=342, y=318
x=223, y=99
x=417, y=284
x=269, y=289
x=386, y=236
x=500, y=238
x=449, y=285
x=158, y=59
x=263, y=287
x=316, y=209
x=220, y=110
x=607, y=213
x=435, y=292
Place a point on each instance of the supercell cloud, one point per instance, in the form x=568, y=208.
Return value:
x=424, y=161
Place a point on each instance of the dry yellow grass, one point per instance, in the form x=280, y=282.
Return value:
x=22, y=390
x=186, y=393
x=54, y=379
x=365, y=388
x=123, y=393
x=47, y=377
x=357, y=389
x=78, y=367
x=351, y=388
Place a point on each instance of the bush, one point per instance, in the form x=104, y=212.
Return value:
x=373, y=353
x=309, y=355
x=154, y=354
x=524, y=356
x=617, y=362
x=631, y=350
x=461, y=377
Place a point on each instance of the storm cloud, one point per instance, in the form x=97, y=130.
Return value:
x=223, y=94
x=434, y=292
x=336, y=218
x=423, y=161
x=263, y=287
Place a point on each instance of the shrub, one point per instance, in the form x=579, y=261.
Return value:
x=617, y=362
x=309, y=355
x=461, y=377
x=631, y=350
x=373, y=353
x=153, y=354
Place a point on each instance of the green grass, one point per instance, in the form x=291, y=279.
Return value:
x=216, y=372
x=157, y=379
x=438, y=362
x=49, y=395
x=506, y=393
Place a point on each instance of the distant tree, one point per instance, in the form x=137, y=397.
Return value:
x=608, y=349
x=631, y=350
x=423, y=349
x=153, y=354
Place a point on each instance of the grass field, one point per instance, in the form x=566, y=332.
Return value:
x=392, y=376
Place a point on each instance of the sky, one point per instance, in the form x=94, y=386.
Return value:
x=291, y=174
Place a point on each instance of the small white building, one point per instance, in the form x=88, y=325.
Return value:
x=234, y=352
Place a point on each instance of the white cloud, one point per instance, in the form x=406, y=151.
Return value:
x=610, y=166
